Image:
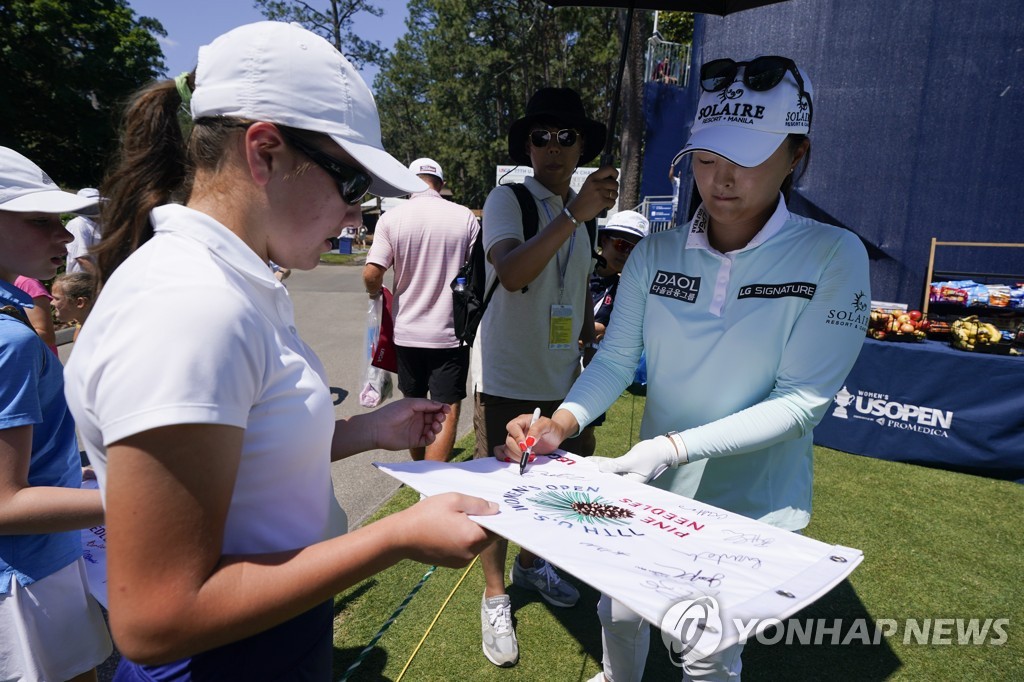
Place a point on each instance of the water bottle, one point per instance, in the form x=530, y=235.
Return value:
x=460, y=284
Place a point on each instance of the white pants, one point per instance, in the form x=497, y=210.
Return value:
x=52, y=629
x=626, y=637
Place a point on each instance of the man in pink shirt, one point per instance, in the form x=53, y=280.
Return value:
x=425, y=240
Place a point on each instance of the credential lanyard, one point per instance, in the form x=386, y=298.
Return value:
x=562, y=268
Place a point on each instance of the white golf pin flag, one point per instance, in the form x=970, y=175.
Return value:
x=658, y=553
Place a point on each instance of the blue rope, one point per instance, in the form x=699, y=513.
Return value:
x=387, y=624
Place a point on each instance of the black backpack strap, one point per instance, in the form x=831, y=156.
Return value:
x=528, y=207
x=18, y=314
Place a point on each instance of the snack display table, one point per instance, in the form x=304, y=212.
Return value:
x=927, y=403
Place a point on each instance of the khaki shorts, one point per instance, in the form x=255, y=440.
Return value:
x=492, y=413
x=34, y=618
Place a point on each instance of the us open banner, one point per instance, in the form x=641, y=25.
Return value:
x=656, y=552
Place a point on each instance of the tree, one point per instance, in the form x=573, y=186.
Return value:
x=334, y=23
x=676, y=27
x=65, y=68
x=631, y=103
x=466, y=68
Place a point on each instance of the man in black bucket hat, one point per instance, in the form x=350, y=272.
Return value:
x=527, y=352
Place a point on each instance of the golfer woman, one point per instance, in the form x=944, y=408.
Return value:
x=751, y=318
x=208, y=419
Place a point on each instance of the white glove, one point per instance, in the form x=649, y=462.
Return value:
x=646, y=460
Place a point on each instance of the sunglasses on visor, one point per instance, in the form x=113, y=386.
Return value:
x=760, y=74
x=352, y=183
x=566, y=137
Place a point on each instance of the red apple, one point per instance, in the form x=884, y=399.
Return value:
x=915, y=315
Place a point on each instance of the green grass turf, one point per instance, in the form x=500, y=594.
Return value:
x=937, y=544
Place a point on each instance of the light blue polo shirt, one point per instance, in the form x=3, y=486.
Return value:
x=745, y=351
x=32, y=393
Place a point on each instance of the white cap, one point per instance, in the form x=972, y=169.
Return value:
x=746, y=126
x=282, y=73
x=427, y=166
x=628, y=222
x=25, y=188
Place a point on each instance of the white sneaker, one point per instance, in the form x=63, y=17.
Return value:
x=542, y=578
x=499, y=638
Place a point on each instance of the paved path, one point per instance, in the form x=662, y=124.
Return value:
x=330, y=312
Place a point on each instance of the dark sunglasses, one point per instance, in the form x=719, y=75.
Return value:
x=352, y=183
x=566, y=137
x=760, y=74
x=622, y=245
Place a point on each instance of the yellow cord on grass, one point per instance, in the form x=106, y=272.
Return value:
x=431, y=626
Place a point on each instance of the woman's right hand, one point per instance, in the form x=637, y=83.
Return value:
x=546, y=434
x=438, y=531
x=599, y=193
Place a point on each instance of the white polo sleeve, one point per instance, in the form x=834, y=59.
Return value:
x=193, y=355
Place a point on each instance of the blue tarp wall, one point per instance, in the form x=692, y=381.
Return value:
x=917, y=130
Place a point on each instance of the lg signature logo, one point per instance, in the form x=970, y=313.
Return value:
x=692, y=630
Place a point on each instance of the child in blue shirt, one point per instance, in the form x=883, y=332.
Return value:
x=44, y=595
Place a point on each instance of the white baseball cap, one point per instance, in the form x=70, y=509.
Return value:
x=282, y=73
x=628, y=222
x=746, y=126
x=25, y=188
x=427, y=166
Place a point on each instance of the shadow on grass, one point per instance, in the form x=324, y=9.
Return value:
x=343, y=603
x=830, y=659
x=371, y=668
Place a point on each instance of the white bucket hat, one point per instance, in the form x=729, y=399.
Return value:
x=25, y=188
x=628, y=222
x=746, y=126
x=282, y=73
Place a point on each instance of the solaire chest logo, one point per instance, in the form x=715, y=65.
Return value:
x=676, y=285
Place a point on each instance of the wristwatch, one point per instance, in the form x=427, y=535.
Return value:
x=568, y=214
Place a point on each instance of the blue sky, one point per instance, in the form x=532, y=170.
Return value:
x=193, y=23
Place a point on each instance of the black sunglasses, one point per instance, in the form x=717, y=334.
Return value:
x=760, y=74
x=566, y=137
x=352, y=183
x=623, y=246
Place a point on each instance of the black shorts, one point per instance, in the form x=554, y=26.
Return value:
x=440, y=373
x=492, y=413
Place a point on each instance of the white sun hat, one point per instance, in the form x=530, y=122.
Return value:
x=25, y=188
x=282, y=73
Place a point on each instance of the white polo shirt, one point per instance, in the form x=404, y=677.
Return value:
x=193, y=328
x=745, y=351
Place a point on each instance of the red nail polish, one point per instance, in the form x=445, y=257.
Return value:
x=522, y=447
x=530, y=441
x=532, y=457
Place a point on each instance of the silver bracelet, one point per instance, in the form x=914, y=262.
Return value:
x=568, y=214
x=677, y=442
